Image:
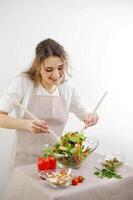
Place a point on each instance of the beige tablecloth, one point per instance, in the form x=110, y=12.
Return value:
x=25, y=184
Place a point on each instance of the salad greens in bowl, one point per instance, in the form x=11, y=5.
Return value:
x=72, y=149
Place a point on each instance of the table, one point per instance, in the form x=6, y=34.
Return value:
x=25, y=184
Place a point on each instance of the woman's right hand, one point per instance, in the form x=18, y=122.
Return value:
x=38, y=127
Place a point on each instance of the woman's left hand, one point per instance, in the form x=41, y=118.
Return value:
x=91, y=120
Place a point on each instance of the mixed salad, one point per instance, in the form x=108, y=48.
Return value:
x=70, y=150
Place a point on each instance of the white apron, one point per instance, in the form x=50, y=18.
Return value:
x=28, y=146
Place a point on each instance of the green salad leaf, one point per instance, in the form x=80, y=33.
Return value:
x=72, y=143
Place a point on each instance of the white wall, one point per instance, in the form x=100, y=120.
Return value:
x=98, y=36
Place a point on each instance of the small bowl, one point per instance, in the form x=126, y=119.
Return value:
x=60, y=178
x=112, y=161
x=116, y=156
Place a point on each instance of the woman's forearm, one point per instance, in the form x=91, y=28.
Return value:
x=9, y=122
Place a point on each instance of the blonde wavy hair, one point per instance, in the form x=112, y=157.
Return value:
x=45, y=49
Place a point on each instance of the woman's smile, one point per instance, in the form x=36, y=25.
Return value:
x=52, y=72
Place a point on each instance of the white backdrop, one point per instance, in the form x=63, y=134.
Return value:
x=98, y=35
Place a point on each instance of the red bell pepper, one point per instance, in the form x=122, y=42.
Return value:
x=52, y=162
x=46, y=163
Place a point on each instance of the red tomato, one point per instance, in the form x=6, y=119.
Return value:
x=43, y=163
x=81, y=179
x=52, y=162
x=75, y=181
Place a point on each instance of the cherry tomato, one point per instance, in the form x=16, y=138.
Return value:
x=52, y=162
x=43, y=163
x=75, y=181
x=80, y=179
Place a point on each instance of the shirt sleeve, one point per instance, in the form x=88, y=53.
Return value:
x=13, y=93
x=78, y=106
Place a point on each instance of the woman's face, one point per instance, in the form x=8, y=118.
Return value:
x=52, y=70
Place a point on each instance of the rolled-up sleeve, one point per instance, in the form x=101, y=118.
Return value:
x=78, y=106
x=14, y=90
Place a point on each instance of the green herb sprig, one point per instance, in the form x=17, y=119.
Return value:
x=101, y=173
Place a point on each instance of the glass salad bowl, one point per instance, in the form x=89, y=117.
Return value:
x=72, y=149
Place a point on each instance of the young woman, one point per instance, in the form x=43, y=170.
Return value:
x=44, y=90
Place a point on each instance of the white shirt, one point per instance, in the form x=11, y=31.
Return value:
x=40, y=90
x=21, y=88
